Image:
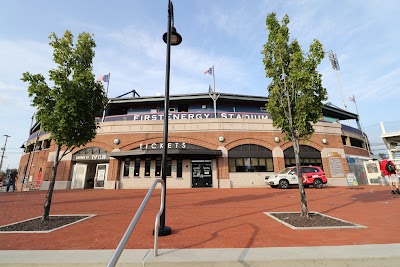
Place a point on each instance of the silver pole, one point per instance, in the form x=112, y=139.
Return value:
x=4, y=150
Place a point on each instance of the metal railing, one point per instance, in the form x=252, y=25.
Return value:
x=118, y=251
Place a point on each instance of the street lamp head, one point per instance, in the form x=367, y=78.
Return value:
x=176, y=38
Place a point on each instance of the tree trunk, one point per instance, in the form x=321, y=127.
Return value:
x=47, y=204
x=296, y=148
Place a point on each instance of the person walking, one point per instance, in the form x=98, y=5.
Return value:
x=388, y=169
x=12, y=180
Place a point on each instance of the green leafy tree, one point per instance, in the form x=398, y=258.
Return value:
x=67, y=109
x=295, y=93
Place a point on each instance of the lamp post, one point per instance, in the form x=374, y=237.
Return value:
x=24, y=177
x=171, y=37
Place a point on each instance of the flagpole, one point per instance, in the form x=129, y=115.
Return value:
x=215, y=97
x=108, y=83
x=214, y=80
x=355, y=103
x=360, y=127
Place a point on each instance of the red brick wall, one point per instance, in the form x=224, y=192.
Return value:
x=208, y=140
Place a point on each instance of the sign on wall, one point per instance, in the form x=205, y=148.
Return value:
x=91, y=154
x=192, y=116
x=336, y=167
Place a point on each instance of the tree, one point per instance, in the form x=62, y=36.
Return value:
x=68, y=109
x=295, y=93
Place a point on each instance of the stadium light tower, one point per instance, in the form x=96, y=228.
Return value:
x=335, y=65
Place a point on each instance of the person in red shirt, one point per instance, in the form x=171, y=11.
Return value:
x=391, y=177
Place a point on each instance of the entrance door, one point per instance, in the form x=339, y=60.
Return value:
x=101, y=175
x=79, y=176
x=201, y=173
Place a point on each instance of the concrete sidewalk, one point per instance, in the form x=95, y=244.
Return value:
x=362, y=256
x=210, y=227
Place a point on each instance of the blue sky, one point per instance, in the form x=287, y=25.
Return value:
x=227, y=34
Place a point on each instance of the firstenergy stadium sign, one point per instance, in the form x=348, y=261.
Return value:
x=189, y=116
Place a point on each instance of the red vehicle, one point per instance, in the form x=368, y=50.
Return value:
x=312, y=175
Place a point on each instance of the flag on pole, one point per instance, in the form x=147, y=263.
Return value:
x=104, y=78
x=352, y=98
x=210, y=90
x=209, y=71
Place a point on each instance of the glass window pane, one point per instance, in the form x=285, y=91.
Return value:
x=270, y=165
x=179, y=168
x=127, y=163
x=147, y=167
x=169, y=164
x=137, y=167
x=287, y=162
x=261, y=162
x=239, y=169
x=232, y=165
x=239, y=162
x=247, y=165
x=158, y=167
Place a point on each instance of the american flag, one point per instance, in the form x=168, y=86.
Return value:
x=209, y=71
x=104, y=78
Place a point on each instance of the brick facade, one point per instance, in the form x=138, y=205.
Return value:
x=203, y=133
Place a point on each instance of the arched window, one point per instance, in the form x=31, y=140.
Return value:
x=250, y=158
x=308, y=156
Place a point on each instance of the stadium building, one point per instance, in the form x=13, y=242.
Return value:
x=226, y=143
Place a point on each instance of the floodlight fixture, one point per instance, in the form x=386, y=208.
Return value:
x=334, y=61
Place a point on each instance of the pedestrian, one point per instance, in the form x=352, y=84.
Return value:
x=388, y=169
x=12, y=180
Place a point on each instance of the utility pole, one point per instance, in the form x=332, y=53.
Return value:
x=3, y=149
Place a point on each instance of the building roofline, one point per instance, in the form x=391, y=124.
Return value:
x=328, y=107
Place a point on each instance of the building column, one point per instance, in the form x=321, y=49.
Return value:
x=223, y=169
x=113, y=174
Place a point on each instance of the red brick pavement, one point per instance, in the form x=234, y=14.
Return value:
x=203, y=218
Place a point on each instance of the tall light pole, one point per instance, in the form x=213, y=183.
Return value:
x=3, y=149
x=336, y=67
x=171, y=37
x=24, y=146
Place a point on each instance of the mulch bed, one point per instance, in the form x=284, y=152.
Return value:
x=314, y=220
x=36, y=224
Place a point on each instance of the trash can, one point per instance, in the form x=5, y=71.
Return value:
x=382, y=181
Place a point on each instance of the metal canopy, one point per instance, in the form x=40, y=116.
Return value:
x=185, y=152
x=328, y=109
